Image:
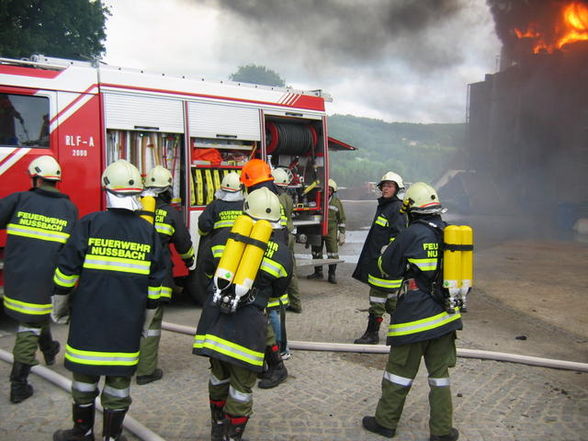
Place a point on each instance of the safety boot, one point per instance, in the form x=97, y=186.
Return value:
x=234, y=427
x=20, y=389
x=217, y=420
x=112, y=427
x=83, y=429
x=49, y=347
x=332, y=269
x=157, y=374
x=453, y=435
x=318, y=273
x=371, y=335
x=276, y=372
x=370, y=423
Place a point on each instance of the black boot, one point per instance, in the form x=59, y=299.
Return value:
x=332, y=278
x=277, y=372
x=453, y=435
x=371, y=334
x=157, y=374
x=318, y=273
x=49, y=347
x=234, y=427
x=370, y=423
x=83, y=429
x=217, y=420
x=20, y=390
x=113, y=425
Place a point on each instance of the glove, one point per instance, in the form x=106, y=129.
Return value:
x=149, y=314
x=60, y=310
x=341, y=239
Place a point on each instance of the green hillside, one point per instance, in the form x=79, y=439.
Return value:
x=418, y=152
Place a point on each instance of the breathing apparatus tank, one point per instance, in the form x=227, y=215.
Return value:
x=457, y=265
x=148, y=211
x=252, y=257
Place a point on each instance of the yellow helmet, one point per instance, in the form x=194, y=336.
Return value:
x=231, y=182
x=394, y=177
x=122, y=177
x=282, y=176
x=158, y=177
x=333, y=184
x=45, y=167
x=263, y=204
x=421, y=198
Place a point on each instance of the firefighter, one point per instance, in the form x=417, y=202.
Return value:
x=282, y=178
x=387, y=223
x=225, y=208
x=115, y=262
x=38, y=223
x=236, y=342
x=171, y=229
x=335, y=236
x=420, y=326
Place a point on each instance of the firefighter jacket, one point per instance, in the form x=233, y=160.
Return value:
x=387, y=223
x=336, y=216
x=418, y=315
x=240, y=338
x=219, y=214
x=115, y=259
x=38, y=223
x=288, y=209
x=171, y=228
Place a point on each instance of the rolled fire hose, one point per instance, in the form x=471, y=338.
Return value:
x=59, y=380
x=383, y=349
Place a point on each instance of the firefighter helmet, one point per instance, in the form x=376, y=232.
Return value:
x=231, y=182
x=282, y=176
x=158, y=177
x=121, y=177
x=45, y=167
x=394, y=177
x=421, y=198
x=333, y=184
x=263, y=204
x=255, y=171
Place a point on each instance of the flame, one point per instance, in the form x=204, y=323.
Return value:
x=570, y=28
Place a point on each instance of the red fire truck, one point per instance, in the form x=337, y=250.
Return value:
x=88, y=115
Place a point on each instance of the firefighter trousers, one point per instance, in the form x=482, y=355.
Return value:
x=27, y=341
x=293, y=291
x=116, y=393
x=378, y=300
x=149, y=349
x=401, y=369
x=232, y=385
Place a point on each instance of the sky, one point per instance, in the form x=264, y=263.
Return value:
x=394, y=60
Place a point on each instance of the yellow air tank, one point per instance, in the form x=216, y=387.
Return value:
x=452, y=266
x=252, y=257
x=148, y=204
x=467, y=259
x=233, y=252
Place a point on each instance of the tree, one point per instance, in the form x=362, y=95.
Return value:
x=58, y=28
x=251, y=73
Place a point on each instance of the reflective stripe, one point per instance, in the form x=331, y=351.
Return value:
x=333, y=255
x=341, y=227
x=239, y=396
x=425, y=264
x=272, y=267
x=117, y=264
x=223, y=224
x=374, y=299
x=113, y=392
x=275, y=301
x=27, y=308
x=153, y=332
x=101, y=358
x=154, y=292
x=165, y=292
x=381, y=221
x=229, y=349
x=384, y=283
x=36, y=331
x=396, y=379
x=333, y=207
x=166, y=229
x=439, y=382
x=64, y=280
x=188, y=253
x=36, y=233
x=217, y=250
x=83, y=387
x=422, y=325
x=217, y=382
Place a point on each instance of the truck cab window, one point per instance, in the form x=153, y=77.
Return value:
x=24, y=120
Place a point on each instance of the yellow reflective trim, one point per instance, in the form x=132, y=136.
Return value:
x=27, y=308
x=64, y=280
x=166, y=292
x=272, y=267
x=188, y=253
x=422, y=325
x=117, y=264
x=164, y=228
x=275, y=301
x=217, y=250
x=36, y=233
x=229, y=349
x=382, y=221
x=153, y=292
x=384, y=283
x=425, y=264
x=96, y=358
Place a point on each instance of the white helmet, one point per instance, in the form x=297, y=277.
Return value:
x=122, y=177
x=45, y=167
x=231, y=182
x=421, y=198
x=333, y=184
x=394, y=177
x=263, y=204
x=158, y=177
x=282, y=176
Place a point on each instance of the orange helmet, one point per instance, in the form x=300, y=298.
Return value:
x=254, y=172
